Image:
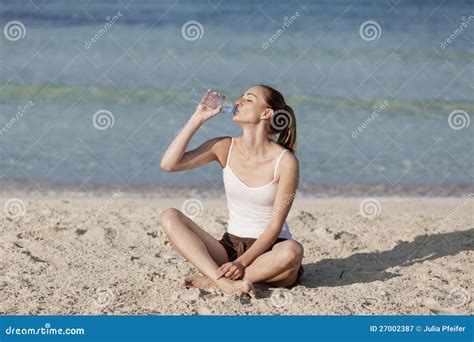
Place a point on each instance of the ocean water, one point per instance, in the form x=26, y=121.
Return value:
x=368, y=111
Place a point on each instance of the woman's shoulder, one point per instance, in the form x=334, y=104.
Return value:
x=221, y=148
x=288, y=163
x=222, y=141
x=280, y=149
x=288, y=159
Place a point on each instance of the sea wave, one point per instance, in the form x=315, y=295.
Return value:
x=63, y=93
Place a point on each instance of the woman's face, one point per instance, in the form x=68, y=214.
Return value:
x=251, y=106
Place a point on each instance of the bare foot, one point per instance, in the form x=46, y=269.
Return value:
x=198, y=281
x=236, y=286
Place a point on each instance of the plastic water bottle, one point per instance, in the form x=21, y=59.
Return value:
x=206, y=97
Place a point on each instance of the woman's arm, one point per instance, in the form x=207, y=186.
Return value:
x=176, y=158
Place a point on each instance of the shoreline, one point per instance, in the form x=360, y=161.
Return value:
x=216, y=190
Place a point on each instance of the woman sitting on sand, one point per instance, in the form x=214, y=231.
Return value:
x=257, y=246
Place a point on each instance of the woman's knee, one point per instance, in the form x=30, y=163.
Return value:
x=168, y=217
x=291, y=254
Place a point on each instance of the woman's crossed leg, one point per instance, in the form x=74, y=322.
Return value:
x=201, y=249
x=279, y=266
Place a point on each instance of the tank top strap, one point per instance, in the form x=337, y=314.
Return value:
x=230, y=149
x=278, y=162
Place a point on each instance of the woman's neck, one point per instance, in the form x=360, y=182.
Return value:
x=255, y=143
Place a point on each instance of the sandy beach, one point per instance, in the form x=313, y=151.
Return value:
x=72, y=254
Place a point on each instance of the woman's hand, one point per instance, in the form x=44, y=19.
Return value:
x=210, y=106
x=232, y=270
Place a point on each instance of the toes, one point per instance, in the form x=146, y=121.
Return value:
x=186, y=282
x=249, y=289
x=252, y=292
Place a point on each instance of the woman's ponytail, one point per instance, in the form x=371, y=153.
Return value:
x=283, y=120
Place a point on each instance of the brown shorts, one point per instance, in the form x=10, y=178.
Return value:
x=235, y=246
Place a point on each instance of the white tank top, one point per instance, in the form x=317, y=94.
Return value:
x=250, y=208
